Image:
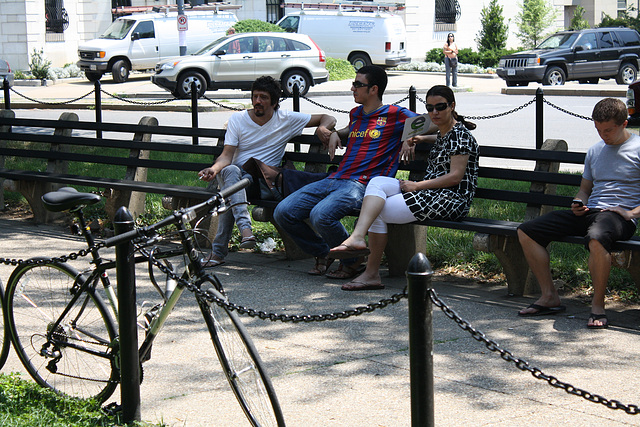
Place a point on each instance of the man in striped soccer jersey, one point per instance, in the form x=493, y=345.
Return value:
x=373, y=146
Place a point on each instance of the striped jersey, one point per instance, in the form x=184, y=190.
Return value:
x=373, y=146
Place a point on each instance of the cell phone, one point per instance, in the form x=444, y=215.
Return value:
x=578, y=202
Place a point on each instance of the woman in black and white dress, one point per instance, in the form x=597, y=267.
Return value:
x=446, y=192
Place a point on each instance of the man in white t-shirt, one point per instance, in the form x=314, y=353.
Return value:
x=263, y=133
x=605, y=209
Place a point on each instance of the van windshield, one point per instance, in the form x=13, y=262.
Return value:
x=211, y=45
x=559, y=40
x=118, y=29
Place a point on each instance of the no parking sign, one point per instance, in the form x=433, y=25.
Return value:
x=183, y=23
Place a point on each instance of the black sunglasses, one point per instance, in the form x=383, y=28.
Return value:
x=440, y=106
x=358, y=84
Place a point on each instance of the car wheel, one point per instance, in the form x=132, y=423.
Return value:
x=92, y=76
x=627, y=74
x=120, y=71
x=554, y=77
x=511, y=84
x=184, y=84
x=360, y=60
x=594, y=81
x=296, y=77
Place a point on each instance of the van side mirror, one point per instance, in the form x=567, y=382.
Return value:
x=135, y=36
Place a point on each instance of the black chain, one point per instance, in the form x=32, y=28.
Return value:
x=523, y=365
x=493, y=116
x=401, y=100
x=335, y=110
x=62, y=258
x=566, y=111
x=51, y=103
x=222, y=105
x=130, y=101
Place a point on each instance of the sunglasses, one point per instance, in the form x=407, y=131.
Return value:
x=358, y=84
x=440, y=106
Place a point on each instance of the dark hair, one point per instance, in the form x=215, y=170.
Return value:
x=610, y=109
x=375, y=76
x=450, y=35
x=271, y=86
x=447, y=93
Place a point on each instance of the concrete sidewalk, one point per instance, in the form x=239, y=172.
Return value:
x=139, y=89
x=356, y=371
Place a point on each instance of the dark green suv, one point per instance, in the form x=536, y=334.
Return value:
x=586, y=56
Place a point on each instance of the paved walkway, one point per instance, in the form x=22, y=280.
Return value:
x=356, y=371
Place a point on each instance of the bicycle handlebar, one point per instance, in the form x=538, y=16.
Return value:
x=177, y=216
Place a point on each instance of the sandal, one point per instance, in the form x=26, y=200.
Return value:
x=211, y=260
x=347, y=271
x=248, y=242
x=322, y=264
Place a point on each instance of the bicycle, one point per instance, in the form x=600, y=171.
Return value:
x=65, y=334
x=5, y=343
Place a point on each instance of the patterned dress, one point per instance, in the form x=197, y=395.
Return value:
x=447, y=203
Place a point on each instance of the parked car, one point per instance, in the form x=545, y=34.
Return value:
x=633, y=104
x=5, y=73
x=235, y=61
x=586, y=56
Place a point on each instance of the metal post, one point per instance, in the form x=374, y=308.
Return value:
x=129, y=361
x=97, y=93
x=419, y=274
x=194, y=110
x=7, y=100
x=412, y=98
x=296, y=107
x=539, y=117
x=182, y=36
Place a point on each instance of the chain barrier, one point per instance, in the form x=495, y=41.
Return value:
x=523, y=365
x=63, y=258
x=317, y=104
x=131, y=101
x=566, y=111
x=222, y=105
x=493, y=116
x=50, y=103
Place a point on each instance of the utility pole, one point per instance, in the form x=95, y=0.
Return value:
x=182, y=28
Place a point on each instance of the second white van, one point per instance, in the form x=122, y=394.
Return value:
x=140, y=41
x=362, y=38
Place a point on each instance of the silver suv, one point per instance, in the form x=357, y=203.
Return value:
x=235, y=61
x=586, y=56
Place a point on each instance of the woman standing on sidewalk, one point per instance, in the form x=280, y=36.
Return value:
x=451, y=60
x=446, y=191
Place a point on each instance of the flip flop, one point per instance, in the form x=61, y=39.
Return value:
x=211, y=261
x=349, y=252
x=543, y=311
x=359, y=286
x=593, y=316
x=322, y=264
x=248, y=242
x=347, y=271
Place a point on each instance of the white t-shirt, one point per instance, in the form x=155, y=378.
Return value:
x=615, y=173
x=267, y=142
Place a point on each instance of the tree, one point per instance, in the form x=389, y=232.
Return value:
x=577, y=21
x=532, y=21
x=494, y=32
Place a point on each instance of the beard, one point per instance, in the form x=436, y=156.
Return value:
x=258, y=111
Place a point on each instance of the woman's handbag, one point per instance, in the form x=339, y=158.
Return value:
x=453, y=62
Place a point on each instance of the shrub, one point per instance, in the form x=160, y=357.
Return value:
x=435, y=55
x=39, y=65
x=468, y=56
x=340, y=69
x=255, y=25
x=69, y=70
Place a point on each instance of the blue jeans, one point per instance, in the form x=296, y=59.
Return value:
x=324, y=203
x=449, y=70
x=238, y=212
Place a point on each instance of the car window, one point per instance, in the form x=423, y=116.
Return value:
x=628, y=38
x=241, y=45
x=558, y=40
x=299, y=45
x=290, y=24
x=588, y=41
x=118, y=29
x=271, y=44
x=145, y=29
x=606, y=41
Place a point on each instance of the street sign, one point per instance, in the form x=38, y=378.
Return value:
x=183, y=23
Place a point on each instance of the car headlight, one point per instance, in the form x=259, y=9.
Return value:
x=533, y=61
x=168, y=66
x=502, y=63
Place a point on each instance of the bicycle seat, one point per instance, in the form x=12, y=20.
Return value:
x=68, y=198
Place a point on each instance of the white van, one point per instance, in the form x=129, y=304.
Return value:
x=362, y=38
x=140, y=41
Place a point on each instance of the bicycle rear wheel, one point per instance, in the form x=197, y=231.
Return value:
x=4, y=336
x=68, y=346
x=241, y=364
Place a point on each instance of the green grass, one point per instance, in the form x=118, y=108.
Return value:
x=25, y=404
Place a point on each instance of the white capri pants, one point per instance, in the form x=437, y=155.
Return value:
x=395, y=209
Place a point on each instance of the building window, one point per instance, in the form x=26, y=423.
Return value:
x=447, y=14
x=56, y=18
x=622, y=8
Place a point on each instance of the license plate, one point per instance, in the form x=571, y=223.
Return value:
x=511, y=72
x=92, y=67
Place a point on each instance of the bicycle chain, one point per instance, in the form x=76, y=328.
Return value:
x=523, y=365
x=51, y=103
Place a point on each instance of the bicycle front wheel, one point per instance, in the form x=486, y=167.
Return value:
x=65, y=339
x=4, y=337
x=241, y=364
